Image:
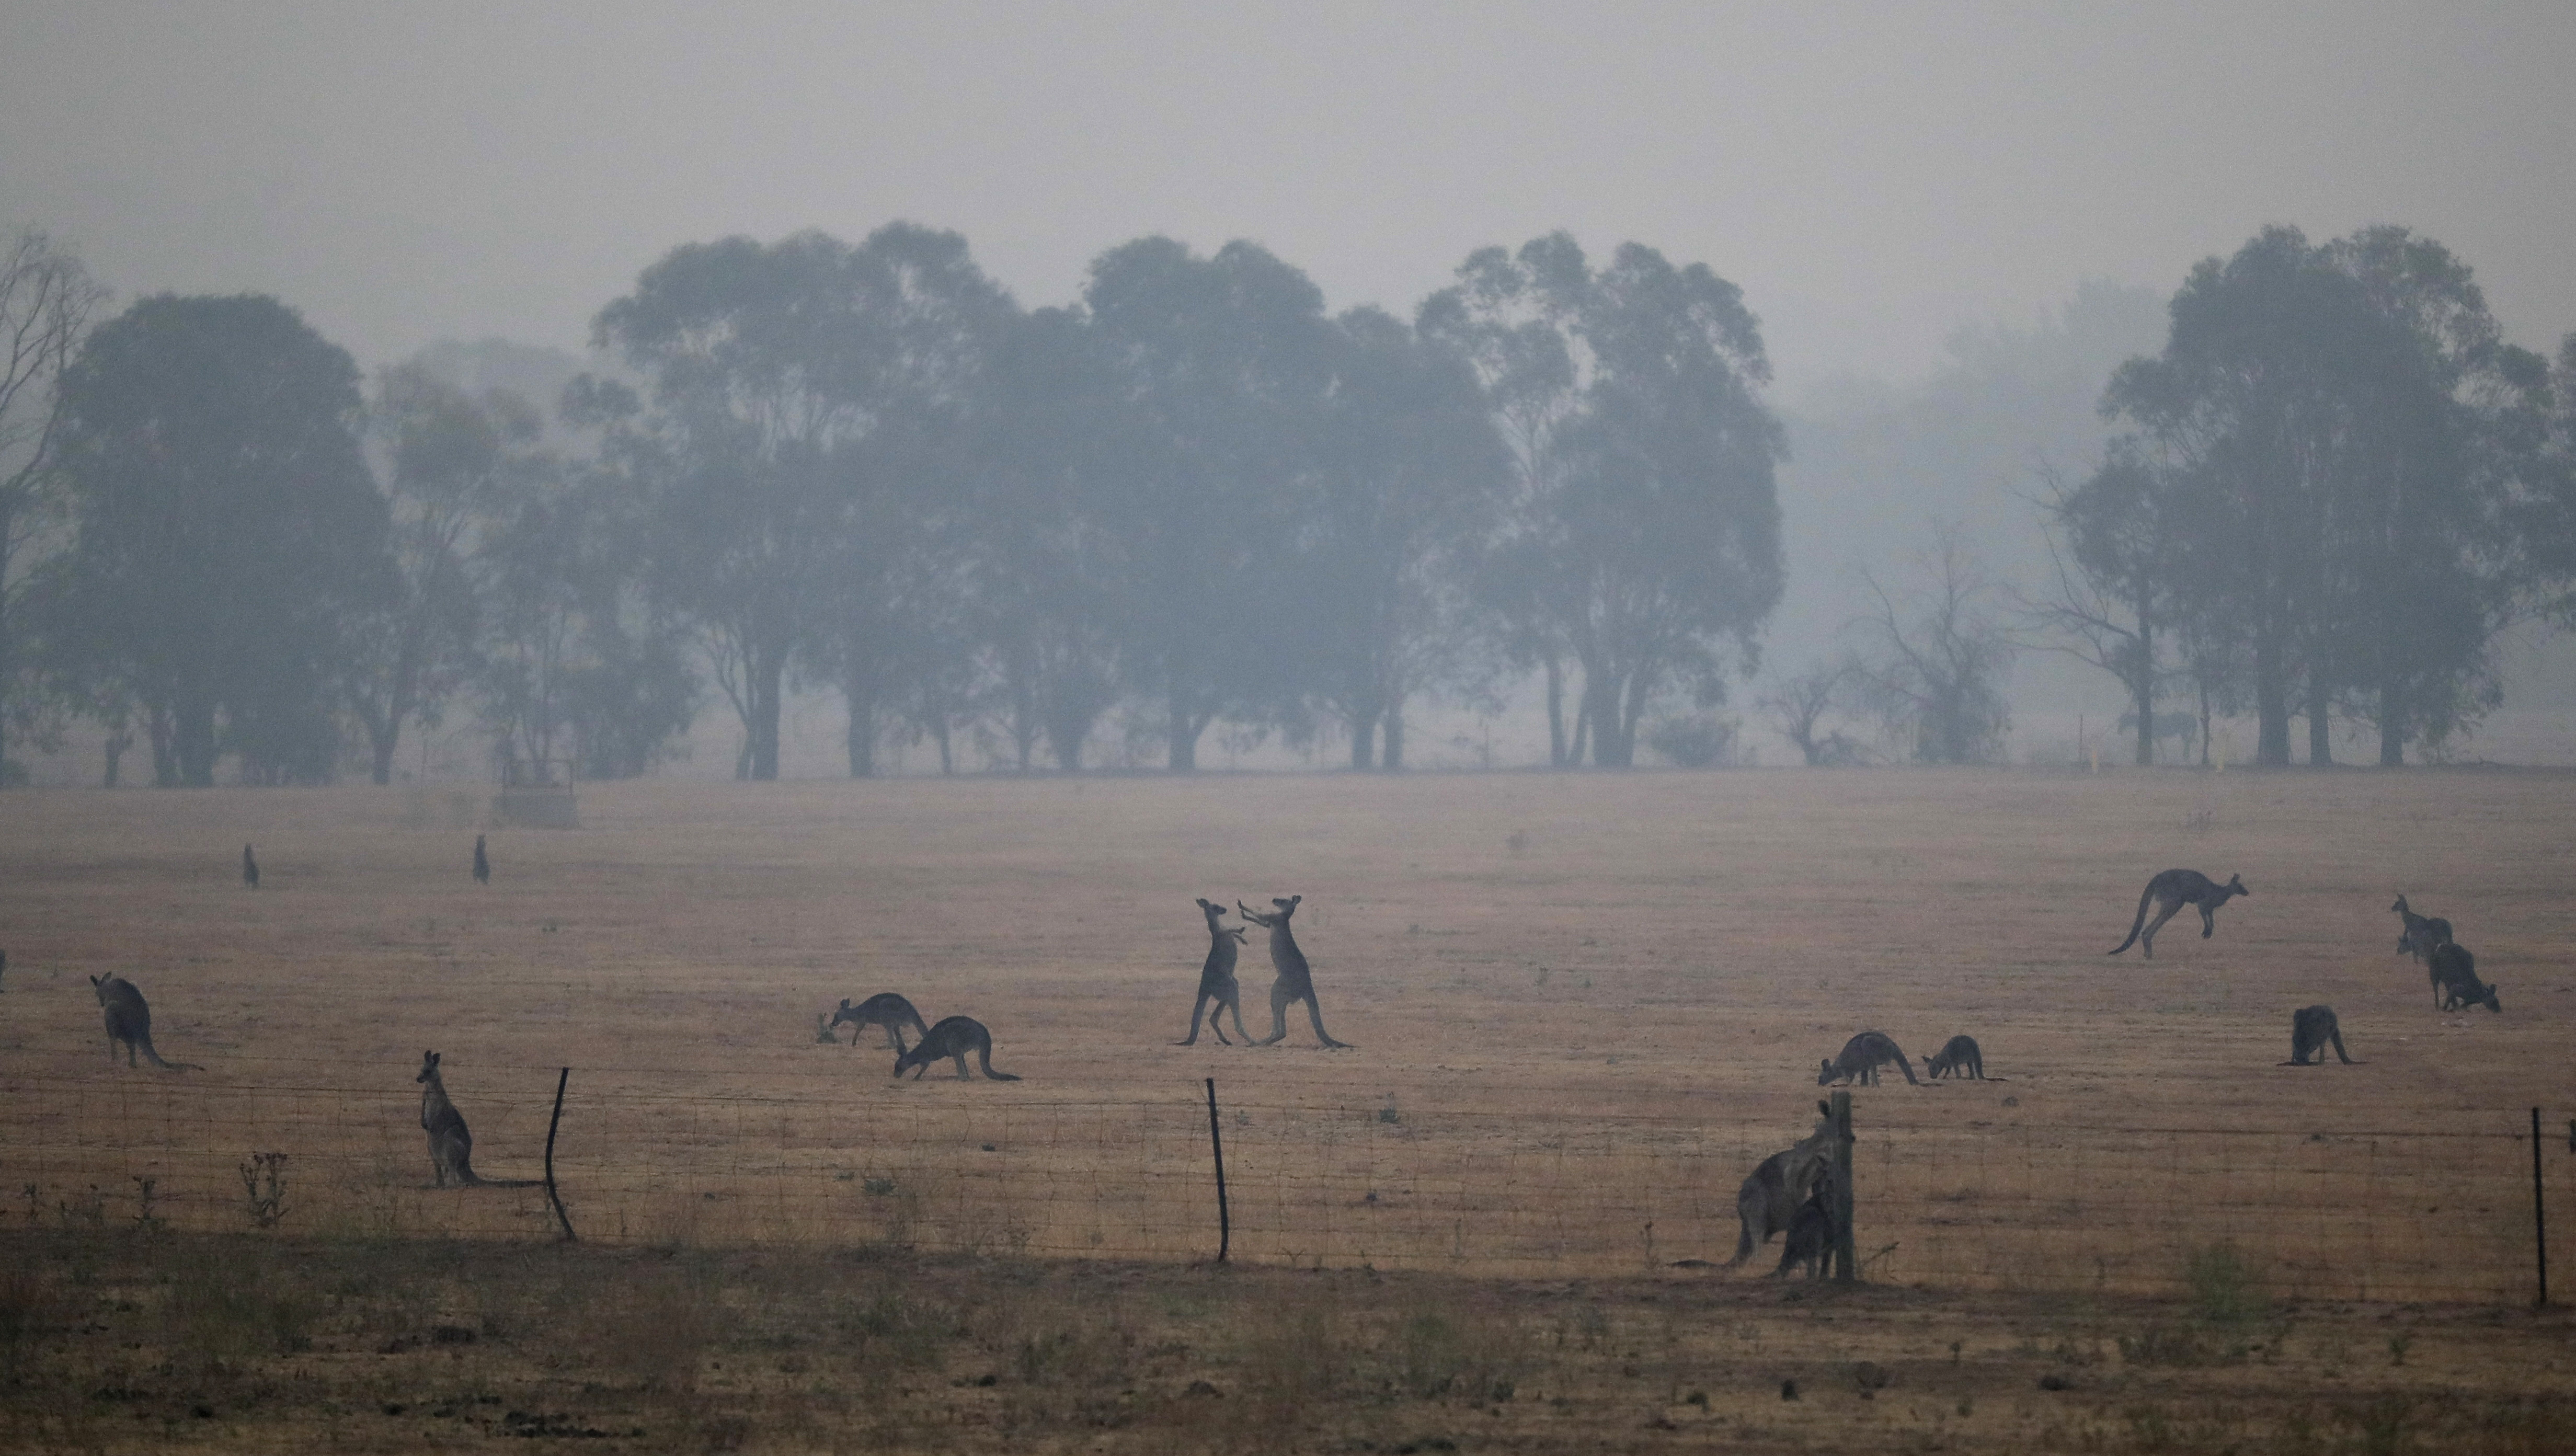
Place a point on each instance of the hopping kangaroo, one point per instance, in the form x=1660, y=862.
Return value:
x=1957, y=1057
x=2420, y=935
x=129, y=1021
x=1861, y=1057
x=1769, y=1200
x=953, y=1037
x=1216, y=980
x=2455, y=980
x=885, y=1009
x=2171, y=891
x=451, y=1147
x=2310, y=1030
x=1296, y=982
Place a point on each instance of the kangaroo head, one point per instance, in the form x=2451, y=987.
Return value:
x=1827, y=1074
x=1213, y=912
x=2400, y=907
x=428, y=1067
x=2236, y=885
x=99, y=985
x=2492, y=1004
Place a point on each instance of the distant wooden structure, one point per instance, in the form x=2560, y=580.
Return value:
x=536, y=795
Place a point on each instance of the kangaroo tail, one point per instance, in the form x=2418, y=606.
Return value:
x=985, y=1058
x=2144, y=896
x=1743, y=1247
x=509, y=1182
x=146, y=1044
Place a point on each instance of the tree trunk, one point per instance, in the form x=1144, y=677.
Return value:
x=117, y=743
x=939, y=731
x=765, y=674
x=1393, y=758
x=1185, y=737
x=192, y=744
x=2392, y=726
x=2271, y=704
x=1363, y=740
x=858, y=691
x=1556, y=755
x=382, y=742
x=2142, y=692
x=165, y=753
x=2320, y=740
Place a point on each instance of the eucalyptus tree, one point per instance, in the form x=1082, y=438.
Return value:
x=226, y=528
x=46, y=302
x=452, y=463
x=1409, y=485
x=2331, y=415
x=1644, y=543
x=1218, y=368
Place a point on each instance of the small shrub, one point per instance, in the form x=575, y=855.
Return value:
x=2225, y=1287
x=1694, y=740
x=264, y=1189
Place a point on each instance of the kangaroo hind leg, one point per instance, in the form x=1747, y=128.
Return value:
x=1195, y=1009
x=2147, y=940
x=1278, y=1017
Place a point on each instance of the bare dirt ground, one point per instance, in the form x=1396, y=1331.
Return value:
x=1584, y=1005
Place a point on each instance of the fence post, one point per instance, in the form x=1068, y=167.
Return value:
x=2539, y=1215
x=1846, y=1267
x=1216, y=1144
x=551, y=1124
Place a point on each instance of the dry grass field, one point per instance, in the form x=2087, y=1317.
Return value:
x=1583, y=1005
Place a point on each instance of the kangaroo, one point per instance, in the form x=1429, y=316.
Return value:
x=953, y=1037
x=1296, y=982
x=1771, y=1194
x=2310, y=1030
x=2171, y=891
x=482, y=863
x=1957, y=1056
x=1809, y=1242
x=2456, y=983
x=2419, y=935
x=885, y=1009
x=129, y=1020
x=250, y=868
x=1861, y=1057
x=1216, y=979
x=451, y=1147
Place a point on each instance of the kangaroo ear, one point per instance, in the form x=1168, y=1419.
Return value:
x=1824, y=1108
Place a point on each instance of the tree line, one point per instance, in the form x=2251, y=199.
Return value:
x=1195, y=496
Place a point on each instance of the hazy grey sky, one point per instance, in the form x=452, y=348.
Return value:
x=1872, y=175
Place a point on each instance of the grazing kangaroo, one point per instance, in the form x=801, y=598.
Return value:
x=1861, y=1057
x=2420, y=935
x=2171, y=891
x=1772, y=1193
x=1296, y=982
x=2310, y=1030
x=1810, y=1239
x=129, y=1021
x=2455, y=980
x=1957, y=1056
x=953, y=1037
x=451, y=1147
x=885, y=1009
x=482, y=863
x=250, y=868
x=1216, y=979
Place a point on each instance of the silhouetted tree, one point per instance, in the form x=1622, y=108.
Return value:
x=1936, y=662
x=2111, y=568
x=1646, y=541
x=227, y=529
x=46, y=302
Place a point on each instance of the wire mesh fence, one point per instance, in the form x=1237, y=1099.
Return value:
x=1476, y=1182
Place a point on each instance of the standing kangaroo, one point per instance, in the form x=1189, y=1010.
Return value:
x=2456, y=986
x=482, y=863
x=1809, y=1243
x=885, y=1009
x=1216, y=979
x=1779, y=1185
x=1861, y=1057
x=2420, y=935
x=953, y=1037
x=2311, y=1028
x=1958, y=1056
x=2171, y=891
x=250, y=868
x=451, y=1147
x=129, y=1021
x=1296, y=982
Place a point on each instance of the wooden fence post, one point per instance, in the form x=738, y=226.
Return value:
x=551, y=1124
x=1846, y=1267
x=2539, y=1215
x=1216, y=1143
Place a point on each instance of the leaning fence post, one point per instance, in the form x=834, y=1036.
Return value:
x=2539, y=1215
x=1846, y=1267
x=551, y=1124
x=1216, y=1144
